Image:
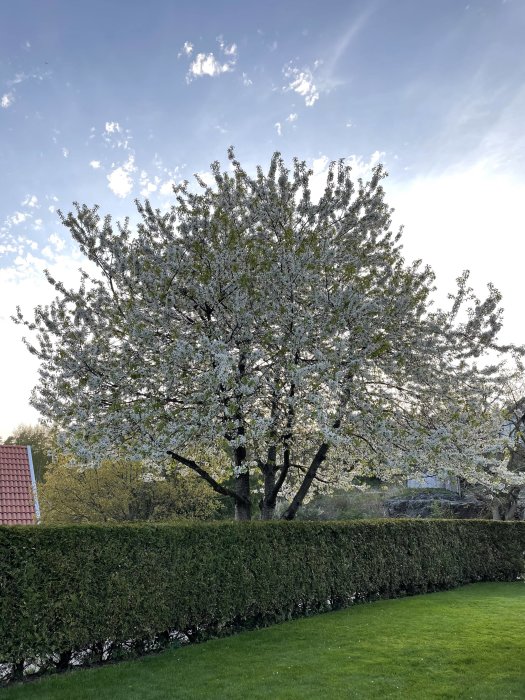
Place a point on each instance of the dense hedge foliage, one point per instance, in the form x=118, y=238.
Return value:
x=74, y=594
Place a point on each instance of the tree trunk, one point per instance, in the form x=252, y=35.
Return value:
x=64, y=659
x=243, y=506
x=511, y=504
x=267, y=504
x=505, y=508
x=18, y=670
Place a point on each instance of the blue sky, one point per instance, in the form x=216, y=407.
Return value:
x=102, y=102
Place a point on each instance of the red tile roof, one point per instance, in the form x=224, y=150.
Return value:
x=17, y=502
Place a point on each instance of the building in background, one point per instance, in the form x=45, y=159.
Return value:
x=18, y=496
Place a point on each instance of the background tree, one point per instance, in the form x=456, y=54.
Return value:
x=39, y=438
x=289, y=337
x=115, y=491
x=505, y=498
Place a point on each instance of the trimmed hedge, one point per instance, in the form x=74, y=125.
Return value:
x=75, y=593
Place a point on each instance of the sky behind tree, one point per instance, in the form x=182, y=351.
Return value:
x=103, y=102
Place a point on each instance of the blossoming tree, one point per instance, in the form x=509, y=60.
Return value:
x=287, y=338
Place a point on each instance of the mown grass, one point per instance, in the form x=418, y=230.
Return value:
x=465, y=643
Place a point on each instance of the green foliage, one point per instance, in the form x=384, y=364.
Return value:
x=454, y=645
x=346, y=505
x=39, y=439
x=117, y=491
x=70, y=590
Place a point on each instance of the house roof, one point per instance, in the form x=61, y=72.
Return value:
x=18, y=500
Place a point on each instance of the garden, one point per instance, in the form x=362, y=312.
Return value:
x=232, y=363
x=80, y=596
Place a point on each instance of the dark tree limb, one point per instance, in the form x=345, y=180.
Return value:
x=223, y=490
x=310, y=475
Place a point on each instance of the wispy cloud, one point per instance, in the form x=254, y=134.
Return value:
x=8, y=98
x=17, y=218
x=230, y=50
x=278, y=128
x=345, y=40
x=303, y=83
x=30, y=200
x=187, y=49
x=95, y=164
x=292, y=117
x=148, y=184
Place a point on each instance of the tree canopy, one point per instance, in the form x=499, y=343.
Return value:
x=288, y=338
x=39, y=438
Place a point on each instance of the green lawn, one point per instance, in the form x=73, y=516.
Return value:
x=466, y=643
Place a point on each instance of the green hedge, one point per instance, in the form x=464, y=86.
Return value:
x=91, y=591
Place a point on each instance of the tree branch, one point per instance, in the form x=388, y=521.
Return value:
x=310, y=475
x=223, y=490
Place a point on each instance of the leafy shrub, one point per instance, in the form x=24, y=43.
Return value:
x=117, y=491
x=346, y=505
x=71, y=594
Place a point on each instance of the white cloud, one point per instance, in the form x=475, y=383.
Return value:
x=292, y=117
x=57, y=242
x=30, y=201
x=187, y=48
x=7, y=100
x=207, y=64
x=120, y=180
x=278, y=128
x=65, y=152
x=20, y=78
x=37, y=226
x=148, y=189
x=467, y=218
x=167, y=187
x=112, y=127
x=302, y=82
x=148, y=185
x=95, y=164
x=23, y=283
x=17, y=218
x=206, y=177
x=361, y=168
x=245, y=80
x=230, y=50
